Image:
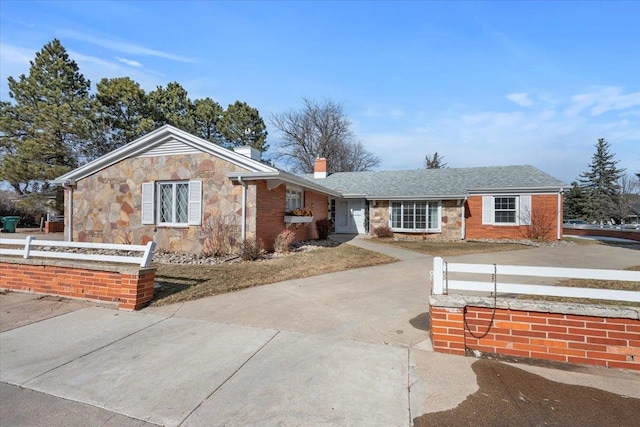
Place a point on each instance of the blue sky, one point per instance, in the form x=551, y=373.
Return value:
x=483, y=84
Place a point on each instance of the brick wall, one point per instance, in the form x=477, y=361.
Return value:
x=130, y=287
x=569, y=338
x=53, y=227
x=543, y=210
x=630, y=234
x=270, y=208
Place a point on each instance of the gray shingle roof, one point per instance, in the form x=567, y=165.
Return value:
x=438, y=183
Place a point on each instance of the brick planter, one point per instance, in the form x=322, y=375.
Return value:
x=568, y=333
x=129, y=286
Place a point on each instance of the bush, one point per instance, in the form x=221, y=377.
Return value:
x=221, y=236
x=283, y=242
x=383, y=232
x=252, y=249
x=324, y=227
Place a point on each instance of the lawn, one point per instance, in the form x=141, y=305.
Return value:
x=590, y=283
x=187, y=282
x=446, y=249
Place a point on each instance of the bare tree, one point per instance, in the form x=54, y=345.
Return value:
x=629, y=186
x=320, y=130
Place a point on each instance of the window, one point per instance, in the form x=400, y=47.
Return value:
x=173, y=203
x=506, y=210
x=294, y=199
x=415, y=216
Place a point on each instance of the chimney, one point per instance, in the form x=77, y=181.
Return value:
x=248, y=151
x=320, y=168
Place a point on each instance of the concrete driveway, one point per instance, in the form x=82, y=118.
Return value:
x=348, y=348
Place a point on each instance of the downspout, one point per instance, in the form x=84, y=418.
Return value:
x=559, y=227
x=243, y=230
x=464, y=221
x=69, y=233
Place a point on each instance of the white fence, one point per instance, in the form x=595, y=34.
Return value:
x=442, y=285
x=26, y=250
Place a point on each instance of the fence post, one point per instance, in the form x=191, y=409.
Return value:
x=438, y=279
x=148, y=255
x=27, y=246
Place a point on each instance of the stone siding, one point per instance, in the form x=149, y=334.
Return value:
x=451, y=224
x=107, y=205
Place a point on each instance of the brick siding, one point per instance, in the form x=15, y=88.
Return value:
x=544, y=210
x=567, y=338
x=131, y=288
x=270, y=209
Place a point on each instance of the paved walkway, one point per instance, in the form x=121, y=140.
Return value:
x=346, y=348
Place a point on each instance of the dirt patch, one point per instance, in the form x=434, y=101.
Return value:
x=509, y=396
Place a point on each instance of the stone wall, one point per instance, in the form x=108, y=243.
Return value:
x=107, y=205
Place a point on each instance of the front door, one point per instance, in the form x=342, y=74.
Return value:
x=350, y=216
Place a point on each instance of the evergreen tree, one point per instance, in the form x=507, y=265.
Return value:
x=575, y=203
x=435, y=162
x=242, y=125
x=122, y=115
x=600, y=184
x=47, y=124
x=172, y=106
x=206, y=114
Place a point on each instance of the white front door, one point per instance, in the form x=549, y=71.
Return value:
x=350, y=216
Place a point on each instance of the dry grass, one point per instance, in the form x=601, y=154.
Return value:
x=589, y=283
x=445, y=249
x=188, y=282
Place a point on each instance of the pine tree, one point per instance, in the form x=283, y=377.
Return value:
x=172, y=106
x=242, y=125
x=48, y=122
x=206, y=115
x=435, y=162
x=122, y=115
x=574, y=203
x=600, y=184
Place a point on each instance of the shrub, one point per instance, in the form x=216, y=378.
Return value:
x=220, y=236
x=324, y=227
x=252, y=249
x=283, y=242
x=383, y=232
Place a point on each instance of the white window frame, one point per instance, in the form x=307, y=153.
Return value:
x=290, y=192
x=428, y=205
x=152, y=201
x=522, y=210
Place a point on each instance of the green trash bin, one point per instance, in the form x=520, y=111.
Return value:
x=9, y=223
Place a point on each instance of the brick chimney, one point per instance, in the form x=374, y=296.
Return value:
x=320, y=168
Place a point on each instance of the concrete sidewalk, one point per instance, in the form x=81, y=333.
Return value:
x=347, y=348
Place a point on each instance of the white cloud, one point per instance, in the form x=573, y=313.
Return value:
x=123, y=47
x=559, y=144
x=602, y=100
x=129, y=62
x=15, y=54
x=522, y=99
x=374, y=112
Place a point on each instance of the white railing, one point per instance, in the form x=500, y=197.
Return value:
x=26, y=250
x=55, y=218
x=442, y=285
